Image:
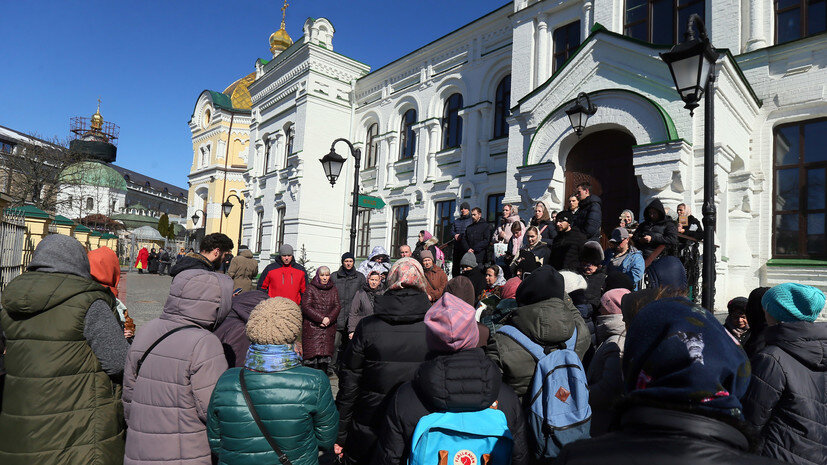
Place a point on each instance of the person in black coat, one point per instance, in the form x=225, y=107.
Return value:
x=688, y=225
x=473, y=271
x=477, y=237
x=458, y=228
x=757, y=321
x=565, y=250
x=787, y=397
x=589, y=214
x=385, y=352
x=657, y=229
x=684, y=376
x=457, y=377
x=153, y=261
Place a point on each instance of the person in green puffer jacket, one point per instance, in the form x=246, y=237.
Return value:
x=64, y=361
x=544, y=313
x=294, y=402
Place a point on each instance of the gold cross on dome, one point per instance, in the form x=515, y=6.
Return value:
x=99, y=103
x=284, y=13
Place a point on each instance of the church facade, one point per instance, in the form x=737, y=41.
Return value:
x=479, y=116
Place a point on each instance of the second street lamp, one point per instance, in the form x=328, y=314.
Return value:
x=195, y=218
x=227, y=208
x=332, y=164
x=692, y=64
x=579, y=114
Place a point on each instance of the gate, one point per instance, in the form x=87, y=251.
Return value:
x=13, y=256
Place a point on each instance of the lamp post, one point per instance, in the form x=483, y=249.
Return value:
x=195, y=218
x=579, y=114
x=227, y=208
x=332, y=164
x=692, y=64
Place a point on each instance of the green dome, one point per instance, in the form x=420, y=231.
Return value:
x=91, y=173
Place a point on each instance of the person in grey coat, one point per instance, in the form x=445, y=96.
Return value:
x=362, y=304
x=165, y=404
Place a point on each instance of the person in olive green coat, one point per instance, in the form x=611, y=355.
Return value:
x=294, y=402
x=65, y=356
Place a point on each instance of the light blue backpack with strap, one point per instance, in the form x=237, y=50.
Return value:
x=558, y=396
x=462, y=438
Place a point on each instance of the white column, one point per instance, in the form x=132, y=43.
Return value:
x=433, y=147
x=588, y=20
x=542, y=49
x=757, y=34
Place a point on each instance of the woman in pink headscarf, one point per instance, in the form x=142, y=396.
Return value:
x=426, y=241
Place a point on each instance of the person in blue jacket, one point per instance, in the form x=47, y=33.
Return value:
x=624, y=257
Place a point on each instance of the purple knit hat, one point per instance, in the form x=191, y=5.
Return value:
x=450, y=325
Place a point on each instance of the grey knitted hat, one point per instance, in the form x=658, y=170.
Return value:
x=468, y=260
x=275, y=321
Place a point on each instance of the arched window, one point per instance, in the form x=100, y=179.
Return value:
x=371, y=146
x=502, y=104
x=452, y=122
x=90, y=204
x=660, y=21
x=266, y=166
x=407, y=136
x=291, y=136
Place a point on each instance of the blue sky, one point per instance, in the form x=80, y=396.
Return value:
x=149, y=60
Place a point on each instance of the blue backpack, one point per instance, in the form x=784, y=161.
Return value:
x=558, y=396
x=462, y=438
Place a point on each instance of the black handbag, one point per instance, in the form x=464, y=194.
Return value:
x=282, y=457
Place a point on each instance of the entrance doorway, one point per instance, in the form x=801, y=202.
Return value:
x=604, y=159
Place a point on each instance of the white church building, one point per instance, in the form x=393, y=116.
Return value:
x=479, y=116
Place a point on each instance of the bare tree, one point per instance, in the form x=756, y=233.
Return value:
x=32, y=171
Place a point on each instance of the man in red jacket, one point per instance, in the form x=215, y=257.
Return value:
x=287, y=280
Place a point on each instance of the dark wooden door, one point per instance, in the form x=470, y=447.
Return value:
x=604, y=159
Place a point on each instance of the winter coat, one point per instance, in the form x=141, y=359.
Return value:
x=233, y=330
x=285, y=281
x=385, y=352
x=436, y=280
x=632, y=265
x=549, y=323
x=651, y=435
x=143, y=259
x=605, y=373
x=369, y=265
x=191, y=261
x=565, y=251
x=663, y=231
x=477, y=277
x=547, y=229
x=272, y=266
x=295, y=405
x=478, y=237
x=153, y=262
x=464, y=381
x=459, y=226
x=165, y=405
x=693, y=229
x=541, y=252
x=503, y=232
x=429, y=245
x=320, y=301
x=787, y=396
x=361, y=306
x=588, y=218
x=348, y=284
x=243, y=269
x=60, y=406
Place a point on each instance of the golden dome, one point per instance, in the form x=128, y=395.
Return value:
x=97, y=118
x=280, y=40
x=239, y=93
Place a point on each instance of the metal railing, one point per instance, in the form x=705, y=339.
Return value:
x=12, y=241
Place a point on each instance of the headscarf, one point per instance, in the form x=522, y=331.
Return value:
x=509, y=290
x=105, y=268
x=463, y=288
x=406, y=273
x=426, y=236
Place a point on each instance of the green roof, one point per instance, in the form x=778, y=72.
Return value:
x=29, y=211
x=91, y=173
x=108, y=236
x=62, y=220
x=82, y=228
x=96, y=233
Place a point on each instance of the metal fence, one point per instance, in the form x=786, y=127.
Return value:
x=12, y=245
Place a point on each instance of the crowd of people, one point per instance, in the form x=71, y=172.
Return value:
x=541, y=347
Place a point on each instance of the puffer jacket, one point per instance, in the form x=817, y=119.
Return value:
x=285, y=281
x=787, y=396
x=652, y=435
x=459, y=225
x=191, y=261
x=295, y=405
x=166, y=404
x=275, y=265
x=465, y=381
x=549, y=323
x=369, y=265
x=243, y=269
x=233, y=330
x=385, y=352
x=605, y=373
x=361, y=306
x=348, y=284
x=320, y=301
x=663, y=231
x=588, y=218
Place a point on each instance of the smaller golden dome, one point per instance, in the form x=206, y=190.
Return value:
x=280, y=40
x=97, y=118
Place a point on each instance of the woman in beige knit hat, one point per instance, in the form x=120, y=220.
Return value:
x=294, y=402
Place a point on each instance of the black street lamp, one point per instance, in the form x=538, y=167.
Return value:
x=692, y=64
x=332, y=164
x=195, y=218
x=227, y=208
x=579, y=114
